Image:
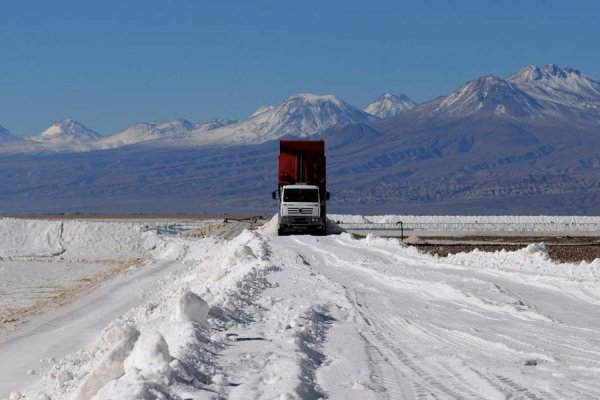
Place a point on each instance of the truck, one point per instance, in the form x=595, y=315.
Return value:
x=301, y=187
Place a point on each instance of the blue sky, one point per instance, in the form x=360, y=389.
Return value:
x=109, y=64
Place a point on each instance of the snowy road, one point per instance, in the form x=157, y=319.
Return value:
x=74, y=327
x=338, y=317
x=437, y=329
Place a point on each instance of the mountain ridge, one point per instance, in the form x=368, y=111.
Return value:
x=533, y=92
x=301, y=115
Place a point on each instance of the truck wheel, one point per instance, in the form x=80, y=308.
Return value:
x=281, y=232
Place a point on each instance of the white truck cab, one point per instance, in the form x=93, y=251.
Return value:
x=300, y=209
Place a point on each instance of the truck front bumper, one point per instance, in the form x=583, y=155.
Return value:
x=299, y=224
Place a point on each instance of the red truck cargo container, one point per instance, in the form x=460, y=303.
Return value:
x=302, y=190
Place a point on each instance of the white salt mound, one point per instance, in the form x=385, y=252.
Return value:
x=191, y=307
x=150, y=357
x=111, y=367
x=536, y=249
x=29, y=238
x=117, y=333
x=105, y=240
x=270, y=227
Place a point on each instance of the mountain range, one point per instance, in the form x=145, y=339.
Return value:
x=527, y=143
x=301, y=115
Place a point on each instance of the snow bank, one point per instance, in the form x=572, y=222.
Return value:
x=480, y=224
x=493, y=225
x=105, y=240
x=167, y=347
x=532, y=260
x=121, y=340
x=270, y=227
x=350, y=219
x=29, y=238
x=90, y=240
x=191, y=307
x=536, y=250
x=150, y=358
x=434, y=219
x=451, y=223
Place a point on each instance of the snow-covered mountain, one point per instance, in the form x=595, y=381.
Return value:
x=488, y=95
x=302, y=115
x=389, y=104
x=147, y=131
x=557, y=87
x=532, y=92
x=66, y=131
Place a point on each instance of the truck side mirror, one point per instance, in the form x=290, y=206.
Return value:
x=274, y=194
x=327, y=195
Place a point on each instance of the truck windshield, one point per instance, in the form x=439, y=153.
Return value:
x=301, y=195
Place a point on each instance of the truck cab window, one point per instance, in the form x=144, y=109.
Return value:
x=301, y=195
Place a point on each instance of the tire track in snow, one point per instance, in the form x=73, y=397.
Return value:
x=356, y=265
x=450, y=271
x=419, y=370
x=401, y=370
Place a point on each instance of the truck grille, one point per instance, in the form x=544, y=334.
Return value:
x=299, y=211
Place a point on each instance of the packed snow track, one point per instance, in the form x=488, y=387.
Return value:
x=258, y=316
x=436, y=328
